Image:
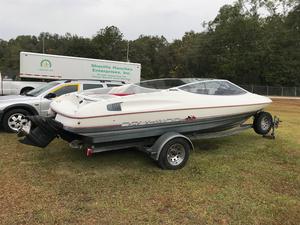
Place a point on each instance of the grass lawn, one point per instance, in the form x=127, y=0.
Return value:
x=242, y=179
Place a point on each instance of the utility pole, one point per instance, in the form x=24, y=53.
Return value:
x=127, y=55
x=1, y=80
x=43, y=40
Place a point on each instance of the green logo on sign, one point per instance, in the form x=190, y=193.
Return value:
x=45, y=63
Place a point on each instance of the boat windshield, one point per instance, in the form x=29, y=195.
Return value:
x=130, y=89
x=151, y=86
x=39, y=90
x=167, y=83
x=142, y=87
x=213, y=87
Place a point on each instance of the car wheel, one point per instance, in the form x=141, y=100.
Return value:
x=262, y=123
x=14, y=119
x=174, y=154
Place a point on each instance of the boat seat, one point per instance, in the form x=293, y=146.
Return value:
x=202, y=91
x=223, y=91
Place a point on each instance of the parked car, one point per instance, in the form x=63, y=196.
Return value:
x=15, y=108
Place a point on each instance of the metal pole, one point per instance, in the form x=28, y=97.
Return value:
x=1, y=80
x=43, y=40
x=127, y=55
x=267, y=90
x=281, y=91
x=295, y=91
x=252, y=88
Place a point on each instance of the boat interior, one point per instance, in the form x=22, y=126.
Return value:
x=192, y=85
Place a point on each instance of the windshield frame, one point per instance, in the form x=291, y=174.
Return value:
x=209, y=80
x=185, y=80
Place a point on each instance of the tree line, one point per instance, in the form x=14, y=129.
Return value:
x=248, y=42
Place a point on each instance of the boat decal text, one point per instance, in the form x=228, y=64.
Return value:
x=149, y=122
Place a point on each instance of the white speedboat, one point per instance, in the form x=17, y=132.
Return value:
x=149, y=109
x=159, y=117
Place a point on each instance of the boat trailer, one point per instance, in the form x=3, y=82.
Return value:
x=170, y=150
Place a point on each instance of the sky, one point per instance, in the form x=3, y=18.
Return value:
x=170, y=18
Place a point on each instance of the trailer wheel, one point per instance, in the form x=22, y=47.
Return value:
x=14, y=119
x=263, y=123
x=174, y=154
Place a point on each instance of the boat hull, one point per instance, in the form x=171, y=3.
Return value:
x=40, y=134
x=207, y=125
x=136, y=118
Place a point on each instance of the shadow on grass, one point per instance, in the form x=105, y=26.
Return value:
x=237, y=142
x=2, y=131
x=60, y=153
x=130, y=157
x=206, y=145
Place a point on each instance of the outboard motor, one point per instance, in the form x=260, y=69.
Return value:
x=43, y=131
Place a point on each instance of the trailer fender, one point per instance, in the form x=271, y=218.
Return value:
x=163, y=139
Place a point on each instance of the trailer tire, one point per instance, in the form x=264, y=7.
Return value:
x=15, y=114
x=174, y=154
x=263, y=123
